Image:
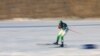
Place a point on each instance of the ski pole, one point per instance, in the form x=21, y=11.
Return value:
x=74, y=31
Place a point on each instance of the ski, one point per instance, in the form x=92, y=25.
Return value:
x=59, y=47
x=46, y=44
x=51, y=45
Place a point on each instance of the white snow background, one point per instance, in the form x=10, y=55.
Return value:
x=26, y=38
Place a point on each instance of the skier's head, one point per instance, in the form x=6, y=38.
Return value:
x=60, y=21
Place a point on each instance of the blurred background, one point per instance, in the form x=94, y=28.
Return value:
x=28, y=38
x=33, y=9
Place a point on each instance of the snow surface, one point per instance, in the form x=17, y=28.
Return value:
x=26, y=38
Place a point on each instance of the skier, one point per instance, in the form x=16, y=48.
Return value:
x=63, y=30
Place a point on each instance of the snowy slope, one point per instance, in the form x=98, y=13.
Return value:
x=26, y=38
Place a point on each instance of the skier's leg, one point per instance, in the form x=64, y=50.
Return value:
x=57, y=40
x=58, y=37
x=62, y=38
x=62, y=41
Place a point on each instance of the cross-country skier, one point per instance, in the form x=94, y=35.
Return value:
x=63, y=30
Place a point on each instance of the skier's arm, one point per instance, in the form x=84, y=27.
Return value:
x=59, y=26
x=67, y=27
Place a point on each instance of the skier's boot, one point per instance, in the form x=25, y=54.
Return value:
x=56, y=43
x=62, y=45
